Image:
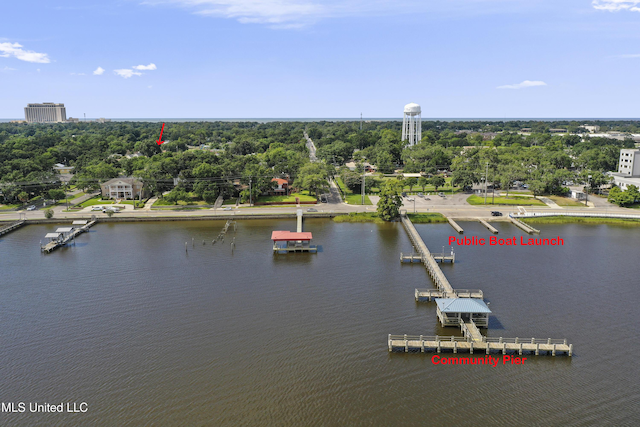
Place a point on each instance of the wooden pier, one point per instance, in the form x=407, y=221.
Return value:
x=430, y=294
x=64, y=238
x=429, y=262
x=489, y=226
x=415, y=257
x=473, y=338
x=423, y=343
x=524, y=227
x=455, y=226
x=10, y=227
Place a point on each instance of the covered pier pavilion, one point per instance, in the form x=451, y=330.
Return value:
x=453, y=311
x=288, y=241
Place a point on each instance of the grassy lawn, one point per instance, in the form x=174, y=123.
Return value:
x=359, y=217
x=75, y=196
x=356, y=199
x=3, y=207
x=303, y=196
x=350, y=197
x=565, y=201
x=95, y=201
x=231, y=201
x=515, y=201
x=426, y=218
x=579, y=220
x=163, y=202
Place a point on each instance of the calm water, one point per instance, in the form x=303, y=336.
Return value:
x=147, y=334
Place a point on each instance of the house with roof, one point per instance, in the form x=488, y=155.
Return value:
x=453, y=310
x=281, y=187
x=123, y=188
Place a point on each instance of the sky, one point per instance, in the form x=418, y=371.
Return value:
x=322, y=58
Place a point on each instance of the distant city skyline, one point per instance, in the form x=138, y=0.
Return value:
x=306, y=59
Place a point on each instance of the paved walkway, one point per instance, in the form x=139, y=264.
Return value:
x=149, y=203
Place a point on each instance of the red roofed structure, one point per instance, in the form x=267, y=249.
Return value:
x=290, y=236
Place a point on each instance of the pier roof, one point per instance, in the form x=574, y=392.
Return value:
x=462, y=305
x=64, y=229
x=52, y=235
x=283, y=236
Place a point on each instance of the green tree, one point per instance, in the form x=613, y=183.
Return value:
x=411, y=182
x=438, y=181
x=23, y=196
x=390, y=201
x=48, y=213
x=312, y=177
x=422, y=182
x=56, y=194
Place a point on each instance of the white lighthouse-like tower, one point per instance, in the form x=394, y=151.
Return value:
x=412, y=124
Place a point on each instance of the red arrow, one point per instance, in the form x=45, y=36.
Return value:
x=159, y=141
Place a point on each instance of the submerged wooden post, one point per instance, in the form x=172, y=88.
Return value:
x=185, y=247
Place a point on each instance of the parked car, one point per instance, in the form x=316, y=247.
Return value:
x=110, y=209
x=228, y=208
x=420, y=195
x=312, y=210
x=97, y=208
x=525, y=186
x=31, y=208
x=403, y=194
x=496, y=213
x=411, y=199
x=426, y=198
x=441, y=194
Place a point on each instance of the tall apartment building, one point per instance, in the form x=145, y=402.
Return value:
x=629, y=164
x=47, y=112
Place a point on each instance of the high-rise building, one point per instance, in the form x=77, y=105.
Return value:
x=412, y=124
x=47, y=112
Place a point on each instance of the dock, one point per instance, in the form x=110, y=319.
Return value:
x=524, y=227
x=415, y=257
x=64, y=235
x=423, y=343
x=489, y=226
x=463, y=308
x=455, y=226
x=429, y=262
x=10, y=227
x=430, y=294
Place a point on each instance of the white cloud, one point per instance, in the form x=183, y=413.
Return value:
x=617, y=5
x=149, y=87
x=78, y=74
x=15, y=50
x=628, y=56
x=7, y=69
x=276, y=13
x=524, y=84
x=145, y=67
x=126, y=73
x=98, y=71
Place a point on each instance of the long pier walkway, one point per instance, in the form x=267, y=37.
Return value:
x=13, y=226
x=432, y=266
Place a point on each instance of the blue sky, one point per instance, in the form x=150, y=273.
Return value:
x=318, y=58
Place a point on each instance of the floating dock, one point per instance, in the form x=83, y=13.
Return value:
x=64, y=235
x=10, y=227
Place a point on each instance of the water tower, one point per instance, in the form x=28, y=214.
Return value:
x=412, y=124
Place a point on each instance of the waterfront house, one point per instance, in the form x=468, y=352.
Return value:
x=123, y=188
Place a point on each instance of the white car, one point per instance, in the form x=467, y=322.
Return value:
x=97, y=208
x=31, y=208
x=410, y=199
x=228, y=208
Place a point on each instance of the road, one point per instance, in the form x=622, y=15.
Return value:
x=312, y=148
x=451, y=206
